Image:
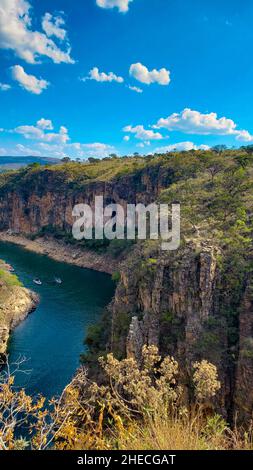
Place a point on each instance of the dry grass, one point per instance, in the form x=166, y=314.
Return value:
x=177, y=434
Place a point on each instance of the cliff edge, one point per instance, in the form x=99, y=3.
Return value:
x=16, y=302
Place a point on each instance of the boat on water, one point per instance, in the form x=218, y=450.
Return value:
x=37, y=281
x=57, y=280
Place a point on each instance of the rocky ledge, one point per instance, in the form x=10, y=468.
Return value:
x=15, y=304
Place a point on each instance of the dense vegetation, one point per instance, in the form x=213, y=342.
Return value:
x=214, y=189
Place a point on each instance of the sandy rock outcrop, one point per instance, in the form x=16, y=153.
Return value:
x=15, y=305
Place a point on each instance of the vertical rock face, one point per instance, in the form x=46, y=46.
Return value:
x=244, y=369
x=47, y=199
x=176, y=301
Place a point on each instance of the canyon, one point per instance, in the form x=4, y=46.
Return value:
x=194, y=303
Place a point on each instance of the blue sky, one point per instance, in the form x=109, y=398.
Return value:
x=67, y=68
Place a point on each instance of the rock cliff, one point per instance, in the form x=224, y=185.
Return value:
x=46, y=198
x=15, y=304
x=181, y=303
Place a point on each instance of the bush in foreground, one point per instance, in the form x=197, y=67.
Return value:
x=138, y=407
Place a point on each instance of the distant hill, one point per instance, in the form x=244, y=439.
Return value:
x=12, y=163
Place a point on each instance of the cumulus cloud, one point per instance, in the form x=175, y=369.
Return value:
x=141, y=73
x=17, y=34
x=45, y=124
x=194, y=122
x=135, y=88
x=180, y=146
x=53, y=26
x=76, y=150
x=56, y=144
x=126, y=138
x=243, y=136
x=143, y=134
x=4, y=87
x=122, y=5
x=39, y=133
x=28, y=82
x=29, y=132
x=94, y=74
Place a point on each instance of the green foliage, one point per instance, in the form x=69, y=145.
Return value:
x=152, y=261
x=9, y=279
x=215, y=426
x=116, y=276
x=167, y=317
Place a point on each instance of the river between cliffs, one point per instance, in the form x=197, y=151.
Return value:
x=51, y=338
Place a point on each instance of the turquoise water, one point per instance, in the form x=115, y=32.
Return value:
x=51, y=338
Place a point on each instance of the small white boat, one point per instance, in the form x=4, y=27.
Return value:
x=38, y=282
x=58, y=280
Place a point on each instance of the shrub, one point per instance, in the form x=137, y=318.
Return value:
x=205, y=379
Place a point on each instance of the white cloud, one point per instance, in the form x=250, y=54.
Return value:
x=94, y=74
x=144, y=144
x=244, y=136
x=28, y=82
x=126, y=138
x=194, y=122
x=52, y=150
x=76, y=150
x=55, y=144
x=142, y=74
x=143, y=134
x=62, y=137
x=38, y=133
x=97, y=146
x=17, y=34
x=135, y=88
x=45, y=124
x=52, y=26
x=29, y=132
x=72, y=150
x=122, y=5
x=180, y=146
x=27, y=150
x=4, y=87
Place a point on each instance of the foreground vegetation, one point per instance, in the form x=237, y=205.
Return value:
x=137, y=407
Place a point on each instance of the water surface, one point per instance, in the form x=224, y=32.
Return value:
x=52, y=337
